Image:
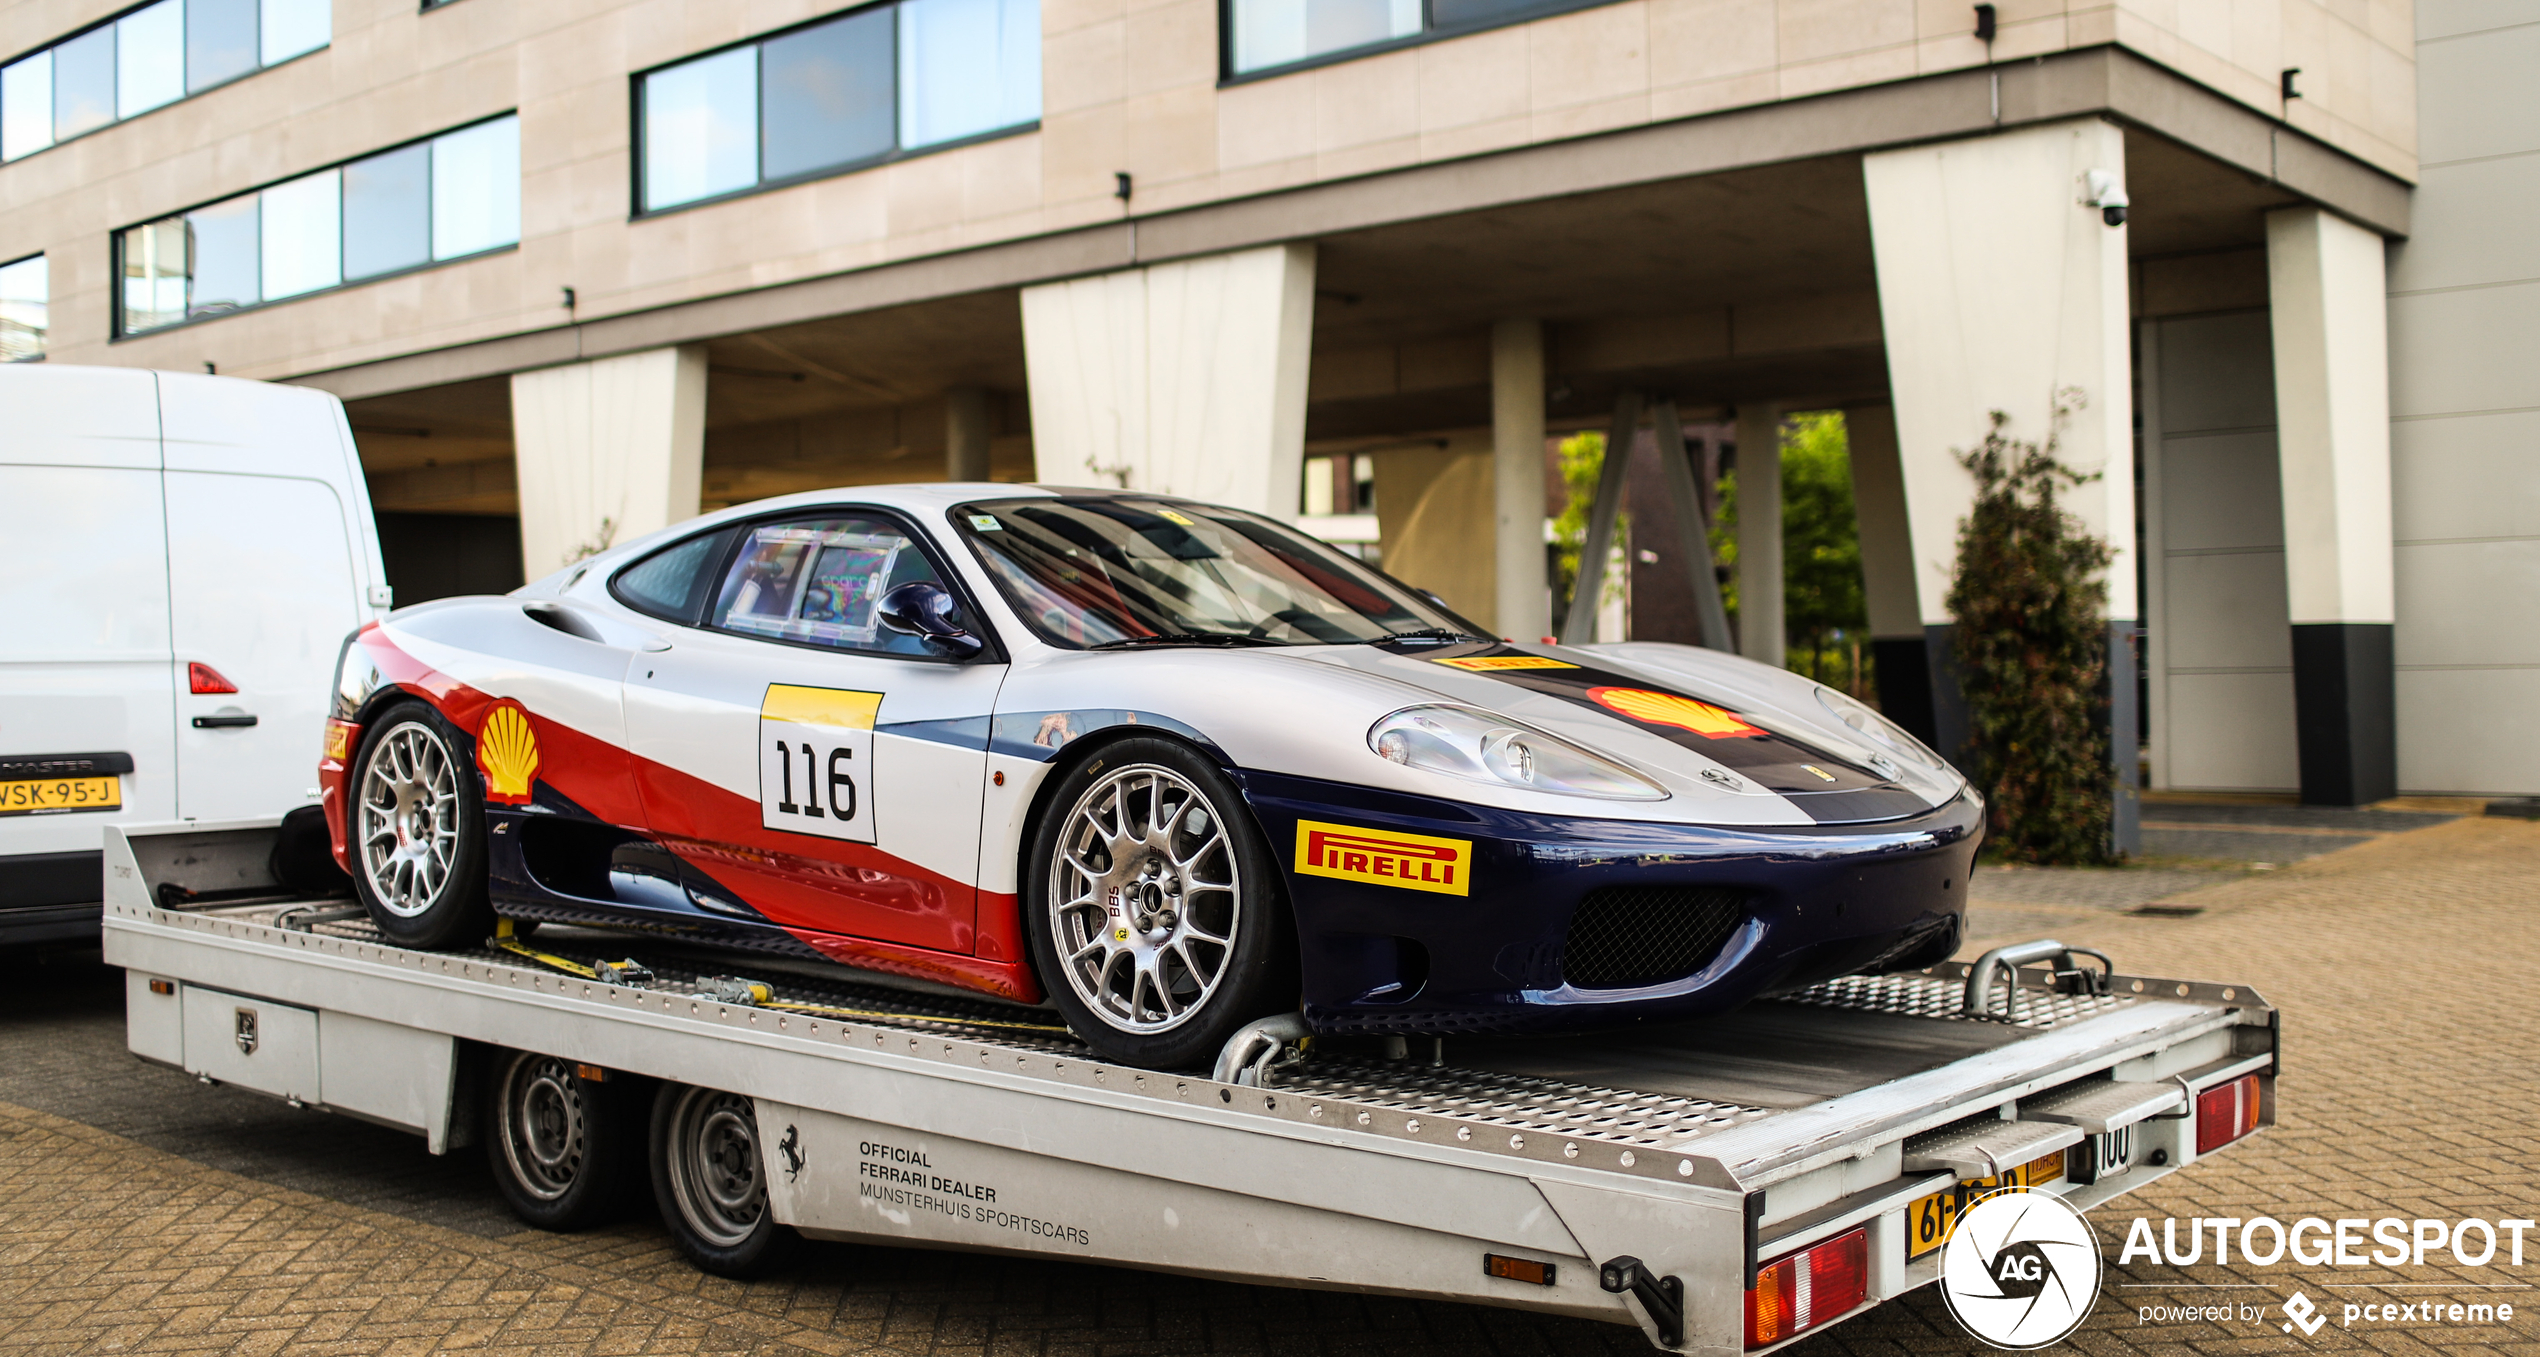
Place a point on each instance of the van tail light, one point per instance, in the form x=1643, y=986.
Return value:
x=202, y=678
x=1797, y=1293
x=2225, y=1113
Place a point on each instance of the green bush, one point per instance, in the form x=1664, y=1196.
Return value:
x=2030, y=601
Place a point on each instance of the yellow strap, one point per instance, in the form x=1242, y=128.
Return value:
x=519, y=948
x=826, y=1011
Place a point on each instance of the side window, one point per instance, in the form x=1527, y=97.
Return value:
x=670, y=584
x=818, y=581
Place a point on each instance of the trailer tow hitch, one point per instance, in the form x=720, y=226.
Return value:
x=1662, y=1297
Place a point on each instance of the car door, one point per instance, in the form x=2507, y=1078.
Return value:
x=822, y=767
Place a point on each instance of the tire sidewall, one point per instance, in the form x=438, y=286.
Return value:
x=769, y=1246
x=463, y=915
x=1261, y=971
x=613, y=1137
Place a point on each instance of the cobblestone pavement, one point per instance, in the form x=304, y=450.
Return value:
x=141, y=1213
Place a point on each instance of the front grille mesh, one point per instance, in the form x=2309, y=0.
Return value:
x=1626, y=936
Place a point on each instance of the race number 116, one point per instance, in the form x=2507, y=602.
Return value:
x=815, y=770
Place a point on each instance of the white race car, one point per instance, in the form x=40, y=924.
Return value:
x=1167, y=766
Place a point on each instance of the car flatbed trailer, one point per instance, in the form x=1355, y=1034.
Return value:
x=1655, y=1179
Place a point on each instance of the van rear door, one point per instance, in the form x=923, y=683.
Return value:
x=84, y=643
x=264, y=582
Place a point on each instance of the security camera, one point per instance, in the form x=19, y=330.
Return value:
x=2101, y=190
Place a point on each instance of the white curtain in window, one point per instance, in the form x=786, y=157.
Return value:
x=291, y=27
x=303, y=247
x=26, y=106
x=967, y=67
x=476, y=189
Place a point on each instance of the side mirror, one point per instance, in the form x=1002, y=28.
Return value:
x=925, y=610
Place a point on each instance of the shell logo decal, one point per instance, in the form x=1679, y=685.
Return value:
x=1668, y=709
x=507, y=753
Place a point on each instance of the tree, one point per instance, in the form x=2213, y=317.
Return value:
x=2029, y=599
x=1582, y=462
x=1821, y=549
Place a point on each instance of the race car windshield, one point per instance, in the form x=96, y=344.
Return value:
x=1094, y=573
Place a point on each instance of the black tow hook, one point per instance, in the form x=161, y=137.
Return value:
x=1662, y=1297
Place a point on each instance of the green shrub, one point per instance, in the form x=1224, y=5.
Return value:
x=2030, y=600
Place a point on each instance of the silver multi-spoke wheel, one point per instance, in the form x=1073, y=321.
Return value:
x=714, y=1168
x=1145, y=896
x=408, y=818
x=544, y=1124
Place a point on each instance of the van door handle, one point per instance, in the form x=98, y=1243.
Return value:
x=223, y=722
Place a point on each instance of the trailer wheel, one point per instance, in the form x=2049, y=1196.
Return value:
x=1153, y=908
x=561, y=1146
x=710, y=1181
x=418, y=832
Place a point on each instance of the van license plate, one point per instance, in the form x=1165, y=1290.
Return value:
x=57, y=795
x=1930, y=1219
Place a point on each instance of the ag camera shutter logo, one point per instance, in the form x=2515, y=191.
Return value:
x=2021, y=1270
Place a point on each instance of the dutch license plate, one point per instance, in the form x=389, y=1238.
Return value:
x=56, y=795
x=1929, y=1221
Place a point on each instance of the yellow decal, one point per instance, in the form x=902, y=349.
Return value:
x=837, y=707
x=1667, y=709
x=1384, y=858
x=339, y=740
x=507, y=753
x=1483, y=664
x=1173, y=517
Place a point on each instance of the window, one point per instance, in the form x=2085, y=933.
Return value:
x=670, y=584
x=25, y=292
x=819, y=581
x=1270, y=34
x=845, y=92
x=148, y=58
x=453, y=196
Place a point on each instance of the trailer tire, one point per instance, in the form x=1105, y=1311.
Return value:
x=563, y=1147
x=710, y=1182
x=415, y=831
x=1156, y=949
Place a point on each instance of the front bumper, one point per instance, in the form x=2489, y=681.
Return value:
x=1814, y=902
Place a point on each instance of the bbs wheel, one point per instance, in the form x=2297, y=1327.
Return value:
x=710, y=1181
x=417, y=826
x=561, y=1145
x=1153, y=907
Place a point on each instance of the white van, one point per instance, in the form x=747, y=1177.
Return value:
x=184, y=556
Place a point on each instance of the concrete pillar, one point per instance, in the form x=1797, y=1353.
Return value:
x=1523, y=596
x=606, y=451
x=966, y=434
x=1762, y=632
x=1185, y=378
x=2326, y=289
x=2000, y=288
x=1889, y=580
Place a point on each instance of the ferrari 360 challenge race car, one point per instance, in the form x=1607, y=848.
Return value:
x=1169, y=766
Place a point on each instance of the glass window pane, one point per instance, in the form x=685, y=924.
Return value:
x=25, y=293
x=818, y=580
x=701, y=128
x=667, y=583
x=967, y=67
x=84, y=83
x=26, y=106
x=153, y=275
x=826, y=95
x=387, y=212
x=294, y=26
x=220, y=41
x=221, y=245
x=1275, y=32
x=150, y=58
x=476, y=189
x=303, y=235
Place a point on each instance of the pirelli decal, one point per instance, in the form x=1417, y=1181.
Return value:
x=1384, y=858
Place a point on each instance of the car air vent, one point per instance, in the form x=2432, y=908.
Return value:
x=563, y=619
x=1622, y=937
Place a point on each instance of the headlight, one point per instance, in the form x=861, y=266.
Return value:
x=1877, y=728
x=1479, y=746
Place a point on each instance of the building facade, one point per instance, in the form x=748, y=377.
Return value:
x=582, y=268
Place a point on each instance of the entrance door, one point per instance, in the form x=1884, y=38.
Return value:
x=824, y=768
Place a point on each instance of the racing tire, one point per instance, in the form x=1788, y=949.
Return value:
x=1154, y=909
x=563, y=1148
x=710, y=1183
x=415, y=831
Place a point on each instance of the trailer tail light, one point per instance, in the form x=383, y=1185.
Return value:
x=1795, y=1294
x=2225, y=1113
x=202, y=678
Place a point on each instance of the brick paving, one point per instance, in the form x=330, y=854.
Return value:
x=139, y=1213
